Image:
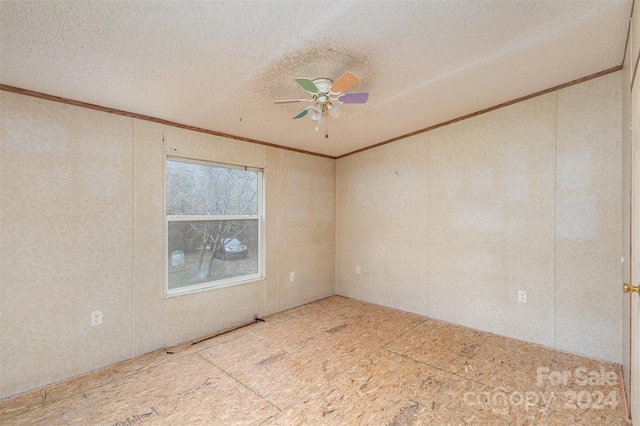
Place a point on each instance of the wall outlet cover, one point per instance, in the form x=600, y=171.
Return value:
x=96, y=318
x=522, y=296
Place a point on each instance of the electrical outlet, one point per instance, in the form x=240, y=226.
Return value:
x=522, y=296
x=96, y=318
x=357, y=269
x=292, y=276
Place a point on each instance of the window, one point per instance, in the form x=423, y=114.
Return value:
x=213, y=225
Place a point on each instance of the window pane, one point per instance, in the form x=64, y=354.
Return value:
x=199, y=189
x=212, y=250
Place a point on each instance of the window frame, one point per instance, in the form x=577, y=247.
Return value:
x=226, y=282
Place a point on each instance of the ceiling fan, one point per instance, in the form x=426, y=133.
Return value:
x=326, y=95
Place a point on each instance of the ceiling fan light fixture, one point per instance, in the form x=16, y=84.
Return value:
x=315, y=113
x=320, y=119
x=334, y=111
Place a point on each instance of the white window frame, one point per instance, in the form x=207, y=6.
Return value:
x=227, y=282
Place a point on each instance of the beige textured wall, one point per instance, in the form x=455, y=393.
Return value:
x=589, y=218
x=82, y=229
x=67, y=247
x=453, y=222
x=383, y=225
x=305, y=196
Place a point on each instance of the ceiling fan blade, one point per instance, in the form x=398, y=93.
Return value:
x=354, y=98
x=307, y=84
x=301, y=113
x=291, y=101
x=344, y=83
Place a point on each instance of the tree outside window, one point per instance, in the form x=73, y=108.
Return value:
x=213, y=225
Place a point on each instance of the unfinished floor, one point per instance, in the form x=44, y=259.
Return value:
x=343, y=362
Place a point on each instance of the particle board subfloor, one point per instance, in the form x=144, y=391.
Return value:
x=337, y=362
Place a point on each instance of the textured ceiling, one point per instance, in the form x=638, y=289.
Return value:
x=219, y=65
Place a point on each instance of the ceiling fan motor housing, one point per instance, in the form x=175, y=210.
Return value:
x=323, y=85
